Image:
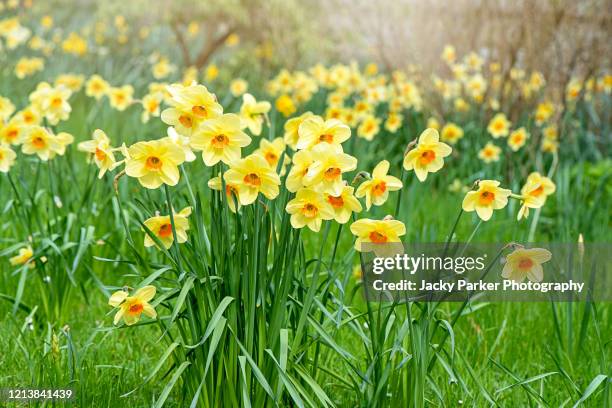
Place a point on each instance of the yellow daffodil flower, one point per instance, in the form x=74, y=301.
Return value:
x=132, y=307
x=302, y=160
x=273, y=152
x=150, y=104
x=489, y=153
x=344, y=205
x=487, y=198
x=101, y=151
x=428, y=155
x=161, y=227
x=238, y=87
x=325, y=174
x=11, y=132
x=253, y=113
x=393, y=122
x=251, y=176
x=231, y=192
x=376, y=190
x=369, y=127
x=7, y=158
x=220, y=139
x=309, y=208
x=23, y=257
x=154, y=163
x=314, y=130
x=38, y=140
x=96, y=87
x=121, y=97
x=190, y=106
x=499, y=126
x=451, y=133
x=526, y=263
x=377, y=231
x=534, y=193
x=291, y=127
x=285, y=105
x=517, y=139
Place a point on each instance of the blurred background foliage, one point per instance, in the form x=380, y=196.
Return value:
x=560, y=38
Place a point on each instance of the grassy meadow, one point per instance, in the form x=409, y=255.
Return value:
x=185, y=236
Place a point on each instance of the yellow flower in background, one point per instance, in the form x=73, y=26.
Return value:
x=28, y=66
x=377, y=231
x=52, y=102
x=550, y=146
x=6, y=108
x=371, y=69
x=543, y=112
x=449, y=55
x=162, y=68
x=526, y=263
x=461, y=105
x=273, y=151
x=101, y=151
x=473, y=61
x=28, y=116
x=550, y=132
x=211, y=73
x=231, y=192
x=232, y=40
x=325, y=174
x=150, y=104
x=309, y=208
x=573, y=89
x=74, y=44
x=376, y=190
x=253, y=113
x=23, y=257
x=393, y=122
x=7, y=158
x=220, y=139
x=291, y=127
x=161, y=227
x=154, y=163
x=96, y=87
x=428, y=155
x=285, y=105
x=121, y=97
x=11, y=132
x=190, y=106
x=46, y=21
x=132, y=307
x=487, y=198
x=344, y=204
x=37, y=140
x=489, y=153
x=313, y=130
x=517, y=139
x=190, y=76
x=302, y=160
x=499, y=126
x=451, y=133
x=70, y=81
x=238, y=87
x=476, y=86
x=369, y=127
x=433, y=123
x=251, y=176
